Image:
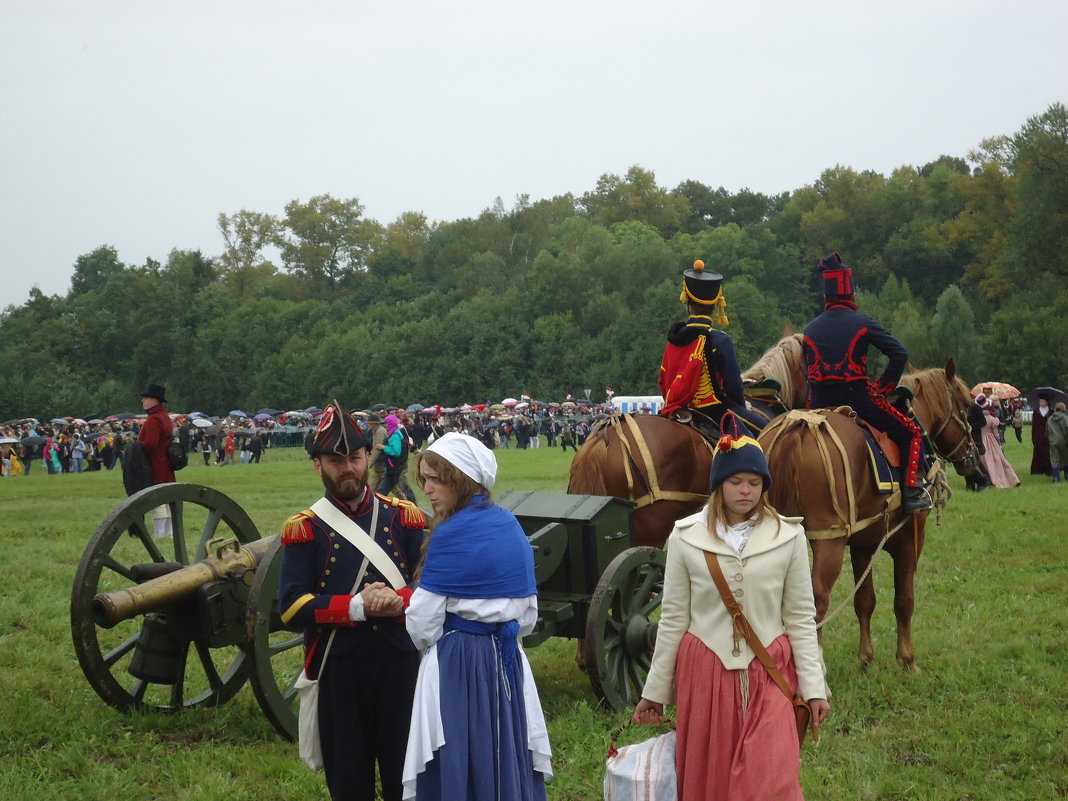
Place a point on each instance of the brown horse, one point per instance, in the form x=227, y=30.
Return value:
x=659, y=464
x=821, y=471
x=663, y=465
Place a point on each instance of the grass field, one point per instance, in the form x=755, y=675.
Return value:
x=986, y=718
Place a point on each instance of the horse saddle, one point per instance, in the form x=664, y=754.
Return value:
x=699, y=422
x=767, y=392
x=883, y=453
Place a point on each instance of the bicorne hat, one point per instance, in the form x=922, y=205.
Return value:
x=704, y=288
x=837, y=279
x=737, y=452
x=155, y=391
x=337, y=432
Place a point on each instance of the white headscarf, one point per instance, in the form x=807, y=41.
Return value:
x=468, y=455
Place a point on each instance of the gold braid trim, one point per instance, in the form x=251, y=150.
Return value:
x=411, y=515
x=298, y=528
x=718, y=301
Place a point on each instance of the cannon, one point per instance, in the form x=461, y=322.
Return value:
x=184, y=621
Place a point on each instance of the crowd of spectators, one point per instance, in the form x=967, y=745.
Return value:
x=74, y=445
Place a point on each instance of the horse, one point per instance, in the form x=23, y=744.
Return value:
x=821, y=470
x=663, y=465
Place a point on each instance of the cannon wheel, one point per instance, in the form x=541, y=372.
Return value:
x=619, y=633
x=277, y=656
x=124, y=539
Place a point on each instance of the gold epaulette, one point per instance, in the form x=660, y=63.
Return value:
x=298, y=528
x=411, y=515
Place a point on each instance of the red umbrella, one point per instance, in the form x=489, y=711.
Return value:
x=997, y=390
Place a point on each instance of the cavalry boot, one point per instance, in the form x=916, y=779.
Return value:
x=915, y=500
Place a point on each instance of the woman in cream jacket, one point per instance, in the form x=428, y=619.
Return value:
x=736, y=733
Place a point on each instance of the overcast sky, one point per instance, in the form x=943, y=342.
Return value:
x=135, y=123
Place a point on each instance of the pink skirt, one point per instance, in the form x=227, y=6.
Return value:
x=737, y=740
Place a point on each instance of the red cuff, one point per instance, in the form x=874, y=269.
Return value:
x=406, y=594
x=336, y=614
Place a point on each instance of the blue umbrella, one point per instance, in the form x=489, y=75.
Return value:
x=415, y=407
x=237, y=413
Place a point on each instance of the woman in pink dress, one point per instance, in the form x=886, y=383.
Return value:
x=737, y=739
x=994, y=462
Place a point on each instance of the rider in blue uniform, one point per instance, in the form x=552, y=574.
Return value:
x=836, y=358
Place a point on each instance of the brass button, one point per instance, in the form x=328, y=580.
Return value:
x=333, y=558
x=374, y=628
x=337, y=544
x=739, y=593
x=326, y=572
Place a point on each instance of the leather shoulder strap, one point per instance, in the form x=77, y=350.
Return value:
x=742, y=626
x=360, y=539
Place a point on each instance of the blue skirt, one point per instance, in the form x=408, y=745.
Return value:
x=485, y=756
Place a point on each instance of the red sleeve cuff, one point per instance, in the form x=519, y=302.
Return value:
x=406, y=594
x=336, y=614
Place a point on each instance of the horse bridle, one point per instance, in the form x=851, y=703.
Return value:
x=970, y=450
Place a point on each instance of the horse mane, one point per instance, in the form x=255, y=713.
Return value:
x=929, y=385
x=783, y=361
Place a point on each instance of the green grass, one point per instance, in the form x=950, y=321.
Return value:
x=986, y=718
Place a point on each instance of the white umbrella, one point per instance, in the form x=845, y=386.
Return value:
x=509, y=402
x=201, y=422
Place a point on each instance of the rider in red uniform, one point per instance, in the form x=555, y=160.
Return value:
x=836, y=357
x=699, y=371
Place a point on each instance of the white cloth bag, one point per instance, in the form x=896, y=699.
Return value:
x=643, y=771
x=311, y=748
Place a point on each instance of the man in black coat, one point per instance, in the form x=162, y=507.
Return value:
x=836, y=358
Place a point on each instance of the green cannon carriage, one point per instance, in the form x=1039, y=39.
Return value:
x=182, y=622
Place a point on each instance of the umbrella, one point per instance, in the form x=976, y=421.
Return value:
x=33, y=439
x=96, y=421
x=523, y=405
x=1053, y=396
x=60, y=420
x=270, y=412
x=380, y=407
x=415, y=407
x=236, y=413
x=201, y=422
x=997, y=390
x=124, y=416
x=509, y=402
x=262, y=417
x=8, y=440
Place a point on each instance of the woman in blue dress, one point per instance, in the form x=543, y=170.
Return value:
x=477, y=729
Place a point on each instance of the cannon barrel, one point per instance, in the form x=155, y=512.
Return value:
x=111, y=608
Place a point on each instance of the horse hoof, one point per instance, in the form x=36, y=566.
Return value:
x=908, y=666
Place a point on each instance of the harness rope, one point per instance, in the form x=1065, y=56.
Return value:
x=622, y=424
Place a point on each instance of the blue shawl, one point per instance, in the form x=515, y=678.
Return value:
x=479, y=552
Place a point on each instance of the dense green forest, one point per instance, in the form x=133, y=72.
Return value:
x=965, y=256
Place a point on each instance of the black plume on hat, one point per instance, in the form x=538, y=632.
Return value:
x=155, y=391
x=337, y=432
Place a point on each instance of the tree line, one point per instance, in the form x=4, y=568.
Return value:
x=963, y=257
